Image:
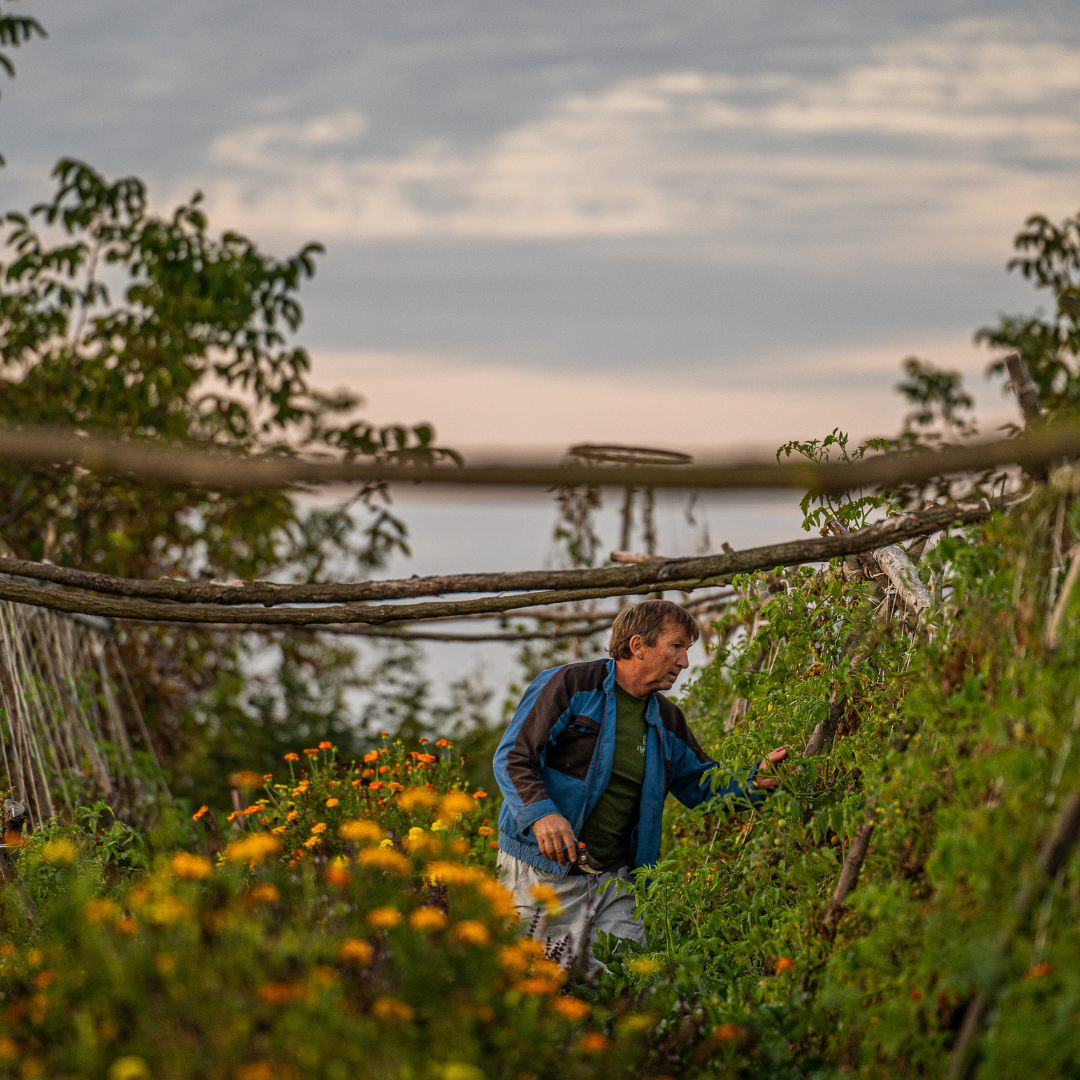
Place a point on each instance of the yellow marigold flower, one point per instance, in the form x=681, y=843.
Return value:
x=318, y=827
x=60, y=851
x=452, y=873
x=471, y=932
x=500, y=899
x=594, y=1043
x=199, y=813
x=263, y=894
x=392, y=1010
x=457, y=802
x=644, y=966
x=311, y=841
x=417, y=796
x=428, y=918
x=383, y=918
x=386, y=859
x=356, y=950
x=279, y=830
x=547, y=897
x=570, y=1008
x=99, y=911
x=186, y=865
x=486, y=830
x=128, y=1068
x=439, y=825
x=292, y=815
x=387, y=843
x=254, y=848
x=331, y=802
x=419, y=842
x=513, y=959
x=366, y=832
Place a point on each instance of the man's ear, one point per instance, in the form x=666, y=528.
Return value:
x=637, y=646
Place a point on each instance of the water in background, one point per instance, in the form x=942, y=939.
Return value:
x=455, y=532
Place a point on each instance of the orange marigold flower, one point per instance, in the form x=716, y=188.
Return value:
x=457, y=802
x=471, y=932
x=337, y=873
x=571, y=1008
x=311, y=752
x=486, y=830
x=371, y=756
x=384, y=734
x=427, y=759
x=383, y=918
x=279, y=830
x=282, y=993
x=318, y=827
x=494, y=845
x=100, y=910
x=414, y=797
x=375, y=785
x=311, y=841
x=292, y=757
x=127, y=926
x=547, y=897
x=727, y=1032
x=785, y=963
x=199, y=813
x=443, y=742
x=263, y=894
x=9, y=1049
x=480, y=794
x=1039, y=971
x=428, y=918
x=594, y=1043
x=383, y=769
x=537, y=986
x=331, y=802
x=326, y=746
x=916, y=995
x=386, y=859
x=245, y=779
x=392, y=1010
x=367, y=832
x=356, y=950
x=395, y=786
x=500, y=899
x=185, y=865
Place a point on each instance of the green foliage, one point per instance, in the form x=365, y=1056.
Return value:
x=118, y=320
x=1049, y=343
x=16, y=30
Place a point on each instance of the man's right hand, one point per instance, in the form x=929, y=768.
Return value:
x=553, y=834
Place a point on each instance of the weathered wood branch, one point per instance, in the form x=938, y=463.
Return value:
x=583, y=584
x=1027, y=393
x=1052, y=635
x=849, y=874
x=905, y=578
x=152, y=463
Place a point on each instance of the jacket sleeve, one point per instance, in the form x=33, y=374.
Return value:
x=690, y=781
x=519, y=758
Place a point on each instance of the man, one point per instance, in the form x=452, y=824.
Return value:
x=589, y=757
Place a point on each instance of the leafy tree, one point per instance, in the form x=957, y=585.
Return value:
x=1049, y=343
x=16, y=30
x=117, y=320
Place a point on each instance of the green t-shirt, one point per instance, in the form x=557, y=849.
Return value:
x=607, y=831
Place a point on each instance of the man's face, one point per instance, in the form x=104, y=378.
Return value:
x=658, y=666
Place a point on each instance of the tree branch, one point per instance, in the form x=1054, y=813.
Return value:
x=583, y=584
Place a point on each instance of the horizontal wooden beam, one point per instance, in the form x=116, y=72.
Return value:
x=678, y=575
x=153, y=463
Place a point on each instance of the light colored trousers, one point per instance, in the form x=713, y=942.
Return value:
x=584, y=909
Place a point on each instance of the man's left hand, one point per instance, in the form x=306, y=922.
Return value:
x=765, y=765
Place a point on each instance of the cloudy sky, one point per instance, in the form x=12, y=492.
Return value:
x=688, y=223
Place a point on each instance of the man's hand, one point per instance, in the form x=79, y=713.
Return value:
x=553, y=834
x=765, y=765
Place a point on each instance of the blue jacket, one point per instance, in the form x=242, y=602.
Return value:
x=556, y=756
